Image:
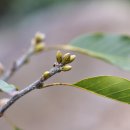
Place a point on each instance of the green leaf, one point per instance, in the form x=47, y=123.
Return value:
x=114, y=49
x=7, y=88
x=109, y=86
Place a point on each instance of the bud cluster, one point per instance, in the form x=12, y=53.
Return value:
x=62, y=62
x=38, y=42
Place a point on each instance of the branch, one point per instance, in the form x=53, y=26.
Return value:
x=37, y=45
x=37, y=84
x=17, y=65
x=61, y=65
x=31, y=51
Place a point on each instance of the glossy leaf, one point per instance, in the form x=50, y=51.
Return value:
x=7, y=88
x=114, y=49
x=109, y=86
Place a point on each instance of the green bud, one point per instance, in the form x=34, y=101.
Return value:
x=66, y=68
x=72, y=58
x=39, y=47
x=39, y=37
x=66, y=59
x=46, y=74
x=59, y=56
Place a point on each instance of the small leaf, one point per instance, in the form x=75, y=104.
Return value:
x=7, y=88
x=108, y=86
x=114, y=49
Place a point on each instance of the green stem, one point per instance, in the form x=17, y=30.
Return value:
x=64, y=47
x=57, y=84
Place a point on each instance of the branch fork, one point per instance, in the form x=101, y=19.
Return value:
x=61, y=65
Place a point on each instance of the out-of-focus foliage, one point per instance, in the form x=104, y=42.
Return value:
x=114, y=49
x=22, y=6
x=11, y=11
x=7, y=88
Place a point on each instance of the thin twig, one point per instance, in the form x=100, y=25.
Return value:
x=71, y=48
x=23, y=60
x=60, y=47
x=37, y=84
x=18, y=64
x=64, y=47
x=57, y=84
x=37, y=45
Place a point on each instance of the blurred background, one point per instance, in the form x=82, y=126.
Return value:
x=62, y=108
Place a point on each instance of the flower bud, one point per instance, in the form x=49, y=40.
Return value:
x=72, y=58
x=66, y=68
x=46, y=74
x=39, y=47
x=39, y=37
x=59, y=56
x=66, y=59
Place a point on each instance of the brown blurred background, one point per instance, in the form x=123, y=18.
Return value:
x=62, y=108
